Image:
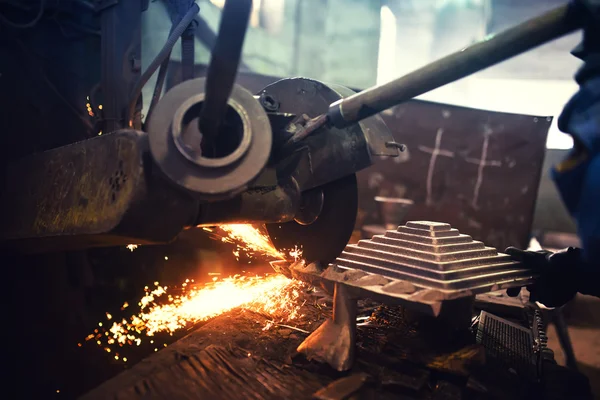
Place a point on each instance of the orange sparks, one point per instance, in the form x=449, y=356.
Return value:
x=131, y=247
x=296, y=253
x=252, y=242
x=273, y=295
x=168, y=310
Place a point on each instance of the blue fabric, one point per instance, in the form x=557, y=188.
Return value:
x=579, y=186
x=589, y=214
x=178, y=8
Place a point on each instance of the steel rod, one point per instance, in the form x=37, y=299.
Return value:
x=494, y=49
x=223, y=67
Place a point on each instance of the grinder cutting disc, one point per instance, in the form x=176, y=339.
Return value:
x=325, y=238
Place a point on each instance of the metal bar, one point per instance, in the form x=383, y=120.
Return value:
x=519, y=39
x=121, y=59
x=562, y=332
x=224, y=63
x=297, y=35
x=208, y=38
x=334, y=342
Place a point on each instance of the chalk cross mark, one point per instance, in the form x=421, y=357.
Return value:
x=482, y=162
x=435, y=152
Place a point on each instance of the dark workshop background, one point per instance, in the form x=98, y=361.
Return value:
x=357, y=43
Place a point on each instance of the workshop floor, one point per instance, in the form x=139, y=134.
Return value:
x=583, y=318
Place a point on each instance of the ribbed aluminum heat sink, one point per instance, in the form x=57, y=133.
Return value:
x=425, y=266
x=420, y=265
x=432, y=255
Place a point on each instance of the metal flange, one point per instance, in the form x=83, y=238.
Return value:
x=216, y=177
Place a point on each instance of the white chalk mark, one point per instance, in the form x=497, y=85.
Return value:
x=482, y=163
x=435, y=152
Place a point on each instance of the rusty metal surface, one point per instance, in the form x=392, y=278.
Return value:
x=96, y=192
x=442, y=171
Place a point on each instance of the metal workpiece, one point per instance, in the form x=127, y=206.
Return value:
x=423, y=262
x=510, y=343
x=270, y=204
x=490, y=51
x=223, y=66
x=433, y=256
x=334, y=341
x=234, y=161
x=427, y=267
x=310, y=160
x=98, y=192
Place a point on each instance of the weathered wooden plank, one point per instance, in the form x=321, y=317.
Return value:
x=229, y=358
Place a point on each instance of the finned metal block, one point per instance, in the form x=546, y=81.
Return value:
x=404, y=255
x=431, y=248
x=429, y=239
x=424, y=266
x=422, y=269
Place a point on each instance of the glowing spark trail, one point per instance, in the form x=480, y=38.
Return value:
x=164, y=309
x=273, y=295
x=252, y=242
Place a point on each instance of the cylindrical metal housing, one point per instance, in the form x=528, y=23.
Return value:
x=238, y=157
x=259, y=205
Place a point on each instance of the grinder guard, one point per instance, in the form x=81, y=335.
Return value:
x=349, y=150
x=325, y=238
